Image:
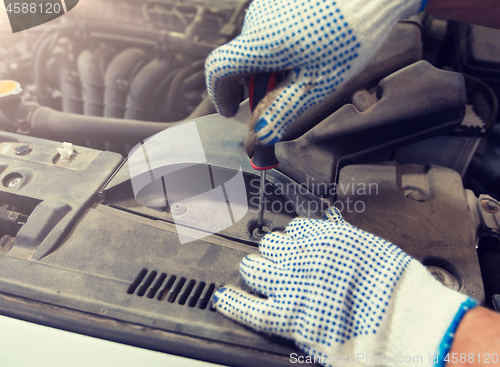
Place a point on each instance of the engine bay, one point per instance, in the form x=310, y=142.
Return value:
x=107, y=235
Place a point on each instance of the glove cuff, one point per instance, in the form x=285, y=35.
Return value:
x=445, y=346
x=423, y=317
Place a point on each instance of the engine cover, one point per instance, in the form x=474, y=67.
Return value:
x=118, y=270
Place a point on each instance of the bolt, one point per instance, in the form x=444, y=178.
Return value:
x=490, y=206
x=444, y=277
x=23, y=149
x=260, y=233
x=178, y=209
x=14, y=182
x=416, y=196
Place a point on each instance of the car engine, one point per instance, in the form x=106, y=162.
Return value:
x=100, y=107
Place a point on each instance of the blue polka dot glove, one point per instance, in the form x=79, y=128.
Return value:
x=338, y=291
x=323, y=43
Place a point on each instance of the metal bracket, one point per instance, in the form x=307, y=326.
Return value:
x=489, y=212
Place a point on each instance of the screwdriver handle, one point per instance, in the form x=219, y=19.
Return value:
x=264, y=157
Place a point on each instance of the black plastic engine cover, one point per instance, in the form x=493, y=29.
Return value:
x=414, y=103
x=123, y=275
x=422, y=209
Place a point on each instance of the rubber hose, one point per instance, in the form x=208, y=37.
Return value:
x=68, y=79
x=118, y=78
x=41, y=56
x=146, y=87
x=71, y=90
x=180, y=77
x=90, y=64
x=55, y=125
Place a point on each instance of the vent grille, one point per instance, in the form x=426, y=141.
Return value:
x=173, y=289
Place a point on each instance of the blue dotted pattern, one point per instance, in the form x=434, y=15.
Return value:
x=326, y=281
x=311, y=38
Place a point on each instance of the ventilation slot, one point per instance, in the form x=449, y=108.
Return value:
x=137, y=281
x=197, y=293
x=173, y=289
x=187, y=292
x=167, y=287
x=208, y=295
x=157, y=285
x=176, y=290
x=144, y=287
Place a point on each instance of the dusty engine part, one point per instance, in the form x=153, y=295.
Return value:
x=98, y=77
x=128, y=59
x=348, y=135
x=435, y=241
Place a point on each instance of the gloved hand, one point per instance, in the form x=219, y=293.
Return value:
x=321, y=42
x=339, y=291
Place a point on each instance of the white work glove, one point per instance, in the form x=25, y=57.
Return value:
x=322, y=42
x=338, y=291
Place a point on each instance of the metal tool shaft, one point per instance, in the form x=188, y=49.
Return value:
x=260, y=220
x=264, y=157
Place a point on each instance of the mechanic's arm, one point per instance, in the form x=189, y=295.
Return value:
x=482, y=12
x=477, y=339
